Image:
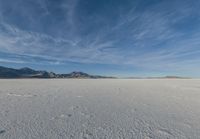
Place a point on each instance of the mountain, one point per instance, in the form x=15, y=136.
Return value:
x=8, y=73
x=76, y=74
x=23, y=73
x=164, y=77
x=30, y=73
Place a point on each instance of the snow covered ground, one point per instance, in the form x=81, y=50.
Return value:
x=99, y=109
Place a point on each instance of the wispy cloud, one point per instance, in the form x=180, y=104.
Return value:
x=160, y=36
x=11, y=61
x=22, y=42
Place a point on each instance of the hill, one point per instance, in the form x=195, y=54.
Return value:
x=31, y=73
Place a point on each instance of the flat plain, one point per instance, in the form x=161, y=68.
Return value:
x=99, y=108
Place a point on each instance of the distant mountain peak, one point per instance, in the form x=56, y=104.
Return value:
x=26, y=69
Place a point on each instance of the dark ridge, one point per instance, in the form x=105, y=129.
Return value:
x=31, y=73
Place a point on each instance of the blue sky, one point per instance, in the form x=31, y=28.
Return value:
x=106, y=37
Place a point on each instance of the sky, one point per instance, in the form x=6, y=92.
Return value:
x=105, y=37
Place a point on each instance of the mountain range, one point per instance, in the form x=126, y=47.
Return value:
x=31, y=73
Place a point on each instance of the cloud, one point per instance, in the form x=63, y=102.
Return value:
x=153, y=36
x=40, y=45
x=11, y=61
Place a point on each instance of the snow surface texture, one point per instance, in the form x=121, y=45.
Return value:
x=99, y=109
